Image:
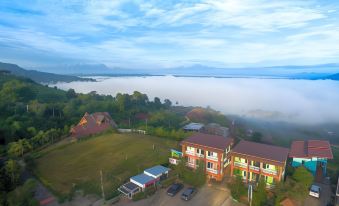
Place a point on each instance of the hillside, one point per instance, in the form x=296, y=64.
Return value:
x=37, y=76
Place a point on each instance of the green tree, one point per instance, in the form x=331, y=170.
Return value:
x=238, y=188
x=18, y=148
x=71, y=94
x=13, y=171
x=257, y=137
x=304, y=179
x=23, y=195
x=259, y=194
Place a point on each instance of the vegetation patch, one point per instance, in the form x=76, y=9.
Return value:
x=119, y=156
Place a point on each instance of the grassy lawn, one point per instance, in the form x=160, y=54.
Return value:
x=118, y=155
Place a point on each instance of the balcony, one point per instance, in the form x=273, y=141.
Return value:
x=189, y=152
x=255, y=168
x=200, y=155
x=211, y=170
x=212, y=158
x=240, y=164
x=269, y=171
x=191, y=164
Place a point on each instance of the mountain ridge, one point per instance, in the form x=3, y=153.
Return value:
x=38, y=76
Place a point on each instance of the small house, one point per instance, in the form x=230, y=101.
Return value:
x=312, y=154
x=93, y=124
x=158, y=172
x=143, y=181
x=193, y=127
x=129, y=189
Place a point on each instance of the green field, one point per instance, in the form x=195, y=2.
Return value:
x=118, y=155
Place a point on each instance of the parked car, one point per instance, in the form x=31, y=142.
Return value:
x=174, y=189
x=188, y=193
x=315, y=191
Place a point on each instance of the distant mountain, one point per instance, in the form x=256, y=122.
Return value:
x=37, y=76
x=312, y=72
x=333, y=77
x=78, y=69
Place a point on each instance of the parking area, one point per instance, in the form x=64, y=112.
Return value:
x=325, y=195
x=207, y=195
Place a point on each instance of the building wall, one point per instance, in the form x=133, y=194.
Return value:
x=310, y=163
x=251, y=169
x=219, y=163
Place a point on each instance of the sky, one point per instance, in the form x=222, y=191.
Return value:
x=165, y=34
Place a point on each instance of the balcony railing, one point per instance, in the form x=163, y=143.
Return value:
x=240, y=164
x=269, y=171
x=190, y=164
x=255, y=168
x=200, y=155
x=212, y=158
x=190, y=152
x=211, y=170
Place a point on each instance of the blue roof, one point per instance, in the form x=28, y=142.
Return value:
x=157, y=170
x=194, y=126
x=142, y=178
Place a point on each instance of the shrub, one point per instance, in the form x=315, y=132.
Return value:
x=238, y=188
x=167, y=182
x=142, y=195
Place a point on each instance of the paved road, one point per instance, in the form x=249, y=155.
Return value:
x=325, y=195
x=207, y=195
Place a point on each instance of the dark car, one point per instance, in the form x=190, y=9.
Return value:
x=188, y=193
x=174, y=189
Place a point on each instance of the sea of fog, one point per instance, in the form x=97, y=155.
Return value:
x=296, y=101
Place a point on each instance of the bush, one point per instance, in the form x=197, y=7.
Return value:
x=167, y=182
x=196, y=178
x=142, y=195
x=23, y=195
x=238, y=188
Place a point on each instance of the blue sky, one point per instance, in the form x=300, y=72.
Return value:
x=164, y=34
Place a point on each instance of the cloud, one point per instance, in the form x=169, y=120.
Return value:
x=133, y=33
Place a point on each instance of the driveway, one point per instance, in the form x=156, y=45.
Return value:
x=325, y=195
x=207, y=195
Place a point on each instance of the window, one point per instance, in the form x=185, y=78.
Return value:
x=211, y=154
x=200, y=151
x=190, y=148
x=210, y=165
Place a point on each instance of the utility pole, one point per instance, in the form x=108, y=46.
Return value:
x=146, y=123
x=102, y=186
x=250, y=194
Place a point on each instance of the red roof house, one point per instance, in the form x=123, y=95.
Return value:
x=313, y=155
x=93, y=124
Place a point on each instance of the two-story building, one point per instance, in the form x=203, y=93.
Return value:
x=312, y=154
x=211, y=150
x=252, y=161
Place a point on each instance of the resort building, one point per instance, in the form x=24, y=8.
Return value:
x=210, y=150
x=252, y=161
x=312, y=154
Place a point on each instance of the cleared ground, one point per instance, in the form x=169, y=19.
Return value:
x=118, y=155
x=207, y=195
